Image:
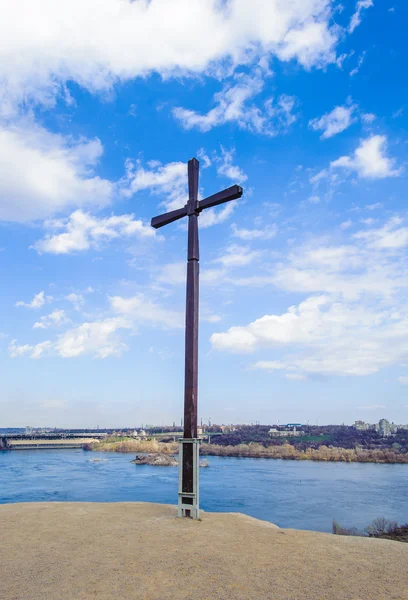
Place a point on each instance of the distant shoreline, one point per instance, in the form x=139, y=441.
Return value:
x=283, y=452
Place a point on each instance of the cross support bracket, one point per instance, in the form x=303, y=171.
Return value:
x=188, y=500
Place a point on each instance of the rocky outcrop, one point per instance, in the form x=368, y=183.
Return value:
x=159, y=459
x=156, y=460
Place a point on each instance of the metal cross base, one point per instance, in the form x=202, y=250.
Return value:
x=188, y=490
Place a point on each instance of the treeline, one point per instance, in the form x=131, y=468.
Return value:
x=340, y=436
x=289, y=452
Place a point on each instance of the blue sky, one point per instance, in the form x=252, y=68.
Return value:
x=303, y=281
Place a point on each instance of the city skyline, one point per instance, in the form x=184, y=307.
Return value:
x=303, y=280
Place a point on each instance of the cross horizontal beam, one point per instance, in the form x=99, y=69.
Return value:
x=231, y=193
x=169, y=217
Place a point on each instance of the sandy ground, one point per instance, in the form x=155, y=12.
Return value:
x=124, y=551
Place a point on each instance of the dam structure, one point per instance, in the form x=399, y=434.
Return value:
x=47, y=441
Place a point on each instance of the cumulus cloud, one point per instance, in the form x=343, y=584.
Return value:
x=141, y=310
x=36, y=351
x=98, y=43
x=100, y=338
x=232, y=104
x=82, y=231
x=324, y=336
x=55, y=318
x=369, y=161
x=38, y=301
x=169, y=181
x=42, y=173
x=334, y=122
x=354, y=319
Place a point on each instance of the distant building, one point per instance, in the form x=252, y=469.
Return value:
x=227, y=428
x=362, y=426
x=273, y=432
x=384, y=428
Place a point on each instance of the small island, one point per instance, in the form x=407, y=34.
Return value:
x=157, y=460
x=160, y=459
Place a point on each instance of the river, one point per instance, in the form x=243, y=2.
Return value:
x=297, y=494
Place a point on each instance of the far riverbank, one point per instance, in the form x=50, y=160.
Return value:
x=283, y=452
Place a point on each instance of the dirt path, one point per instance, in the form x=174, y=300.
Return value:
x=126, y=551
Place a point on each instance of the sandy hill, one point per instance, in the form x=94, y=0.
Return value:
x=124, y=551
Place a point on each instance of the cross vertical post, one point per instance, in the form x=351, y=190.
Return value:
x=189, y=446
x=188, y=491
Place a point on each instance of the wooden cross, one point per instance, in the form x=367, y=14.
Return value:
x=192, y=209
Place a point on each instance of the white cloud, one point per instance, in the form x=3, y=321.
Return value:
x=55, y=318
x=390, y=236
x=403, y=379
x=354, y=320
x=368, y=118
x=232, y=105
x=167, y=181
x=210, y=216
x=173, y=273
x=141, y=310
x=77, y=300
x=324, y=336
x=226, y=168
x=38, y=301
x=36, y=351
x=99, y=339
x=359, y=63
x=369, y=160
x=356, y=18
x=82, y=231
x=334, y=122
x=42, y=173
x=237, y=256
x=100, y=42
x=266, y=233
x=346, y=224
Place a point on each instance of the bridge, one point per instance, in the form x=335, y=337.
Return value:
x=26, y=441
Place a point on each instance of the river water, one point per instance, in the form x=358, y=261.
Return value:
x=298, y=494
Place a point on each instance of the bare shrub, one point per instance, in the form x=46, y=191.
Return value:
x=337, y=529
x=381, y=526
